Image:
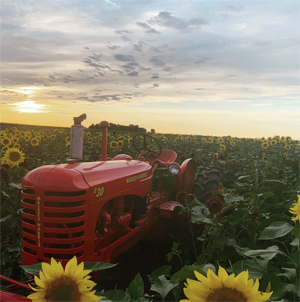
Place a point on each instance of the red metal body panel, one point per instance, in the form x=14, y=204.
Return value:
x=11, y=297
x=62, y=205
x=185, y=179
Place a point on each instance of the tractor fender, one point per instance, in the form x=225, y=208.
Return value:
x=184, y=180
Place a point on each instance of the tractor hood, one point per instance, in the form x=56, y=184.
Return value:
x=81, y=176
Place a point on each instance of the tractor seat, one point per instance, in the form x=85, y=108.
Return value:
x=165, y=158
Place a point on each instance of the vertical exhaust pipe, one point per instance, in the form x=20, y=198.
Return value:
x=76, y=142
x=104, y=125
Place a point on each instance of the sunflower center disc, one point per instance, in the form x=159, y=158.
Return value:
x=14, y=156
x=226, y=295
x=214, y=206
x=62, y=290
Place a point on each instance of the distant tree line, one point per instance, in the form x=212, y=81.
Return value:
x=117, y=127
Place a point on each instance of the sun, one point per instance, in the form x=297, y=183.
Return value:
x=28, y=107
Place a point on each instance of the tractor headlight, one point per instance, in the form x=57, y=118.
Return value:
x=174, y=168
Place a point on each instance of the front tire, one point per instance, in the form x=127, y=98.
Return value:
x=206, y=181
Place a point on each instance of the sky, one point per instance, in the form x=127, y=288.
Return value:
x=188, y=67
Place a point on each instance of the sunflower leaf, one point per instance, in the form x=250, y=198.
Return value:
x=33, y=269
x=275, y=230
x=186, y=272
x=267, y=253
x=162, y=286
x=115, y=295
x=98, y=266
x=136, y=287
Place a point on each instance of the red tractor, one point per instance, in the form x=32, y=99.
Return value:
x=98, y=210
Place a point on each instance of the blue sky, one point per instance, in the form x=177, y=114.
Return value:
x=194, y=67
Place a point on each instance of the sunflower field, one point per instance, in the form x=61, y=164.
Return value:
x=241, y=245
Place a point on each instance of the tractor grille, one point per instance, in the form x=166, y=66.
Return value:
x=53, y=223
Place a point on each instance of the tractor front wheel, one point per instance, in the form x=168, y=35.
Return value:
x=206, y=181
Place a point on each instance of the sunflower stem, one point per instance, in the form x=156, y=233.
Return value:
x=193, y=238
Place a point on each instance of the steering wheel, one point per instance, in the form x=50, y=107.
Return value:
x=145, y=146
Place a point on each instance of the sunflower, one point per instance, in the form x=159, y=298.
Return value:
x=285, y=155
x=27, y=138
x=223, y=287
x=265, y=145
x=14, y=156
x=34, y=142
x=222, y=147
x=113, y=144
x=287, y=147
x=67, y=139
x=15, y=139
x=273, y=142
x=288, y=139
x=120, y=144
x=214, y=205
x=53, y=136
x=3, y=160
x=58, y=284
x=282, y=139
x=17, y=145
x=296, y=209
x=232, y=143
x=4, y=149
x=6, y=141
x=130, y=140
x=90, y=140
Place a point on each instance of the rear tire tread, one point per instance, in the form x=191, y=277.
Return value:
x=206, y=181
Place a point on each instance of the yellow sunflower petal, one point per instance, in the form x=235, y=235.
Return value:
x=88, y=283
x=194, y=296
x=230, y=281
x=39, y=282
x=264, y=296
x=214, y=279
x=36, y=298
x=196, y=285
x=71, y=266
x=241, y=280
x=222, y=273
x=89, y=297
x=33, y=288
x=203, y=279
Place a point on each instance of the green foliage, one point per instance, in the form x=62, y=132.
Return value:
x=254, y=232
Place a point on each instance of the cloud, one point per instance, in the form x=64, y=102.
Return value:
x=143, y=25
x=133, y=74
x=110, y=97
x=121, y=57
x=234, y=8
x=168, y=19
x=152, y=31
x=148, y=28
x=156, y=61
x=113, y=47
x=154, y=77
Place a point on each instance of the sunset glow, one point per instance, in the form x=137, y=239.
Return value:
x=28, y=107
x=191, y=67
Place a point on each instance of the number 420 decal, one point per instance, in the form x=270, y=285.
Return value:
x=99, y=191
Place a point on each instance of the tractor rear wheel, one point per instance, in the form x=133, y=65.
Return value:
x=206, y=181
